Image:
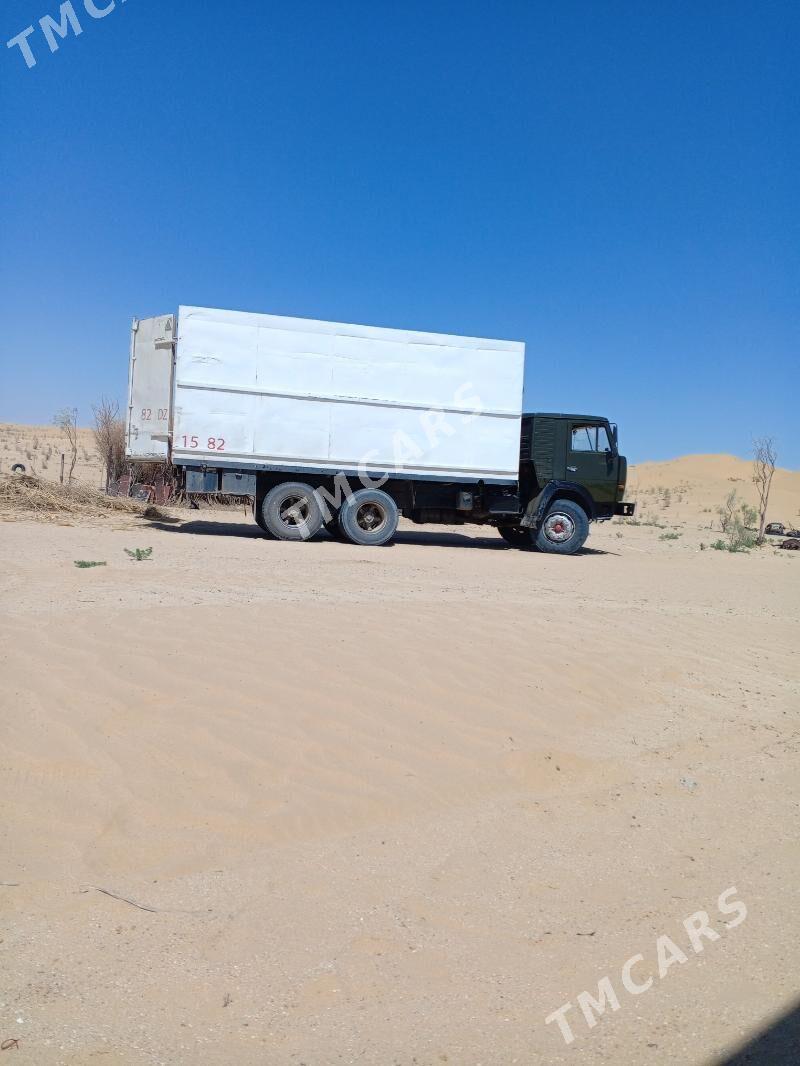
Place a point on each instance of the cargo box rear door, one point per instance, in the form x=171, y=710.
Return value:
x=150, y=387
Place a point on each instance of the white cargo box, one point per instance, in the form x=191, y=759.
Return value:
x=262, y=391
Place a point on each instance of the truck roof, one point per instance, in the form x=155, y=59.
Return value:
x=563, y=414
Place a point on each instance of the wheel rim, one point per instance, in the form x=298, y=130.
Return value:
x=559, y=527
x=293, y=511
x=371, y=517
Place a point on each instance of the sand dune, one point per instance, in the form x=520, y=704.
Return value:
x=693, y=487
x=395, y=805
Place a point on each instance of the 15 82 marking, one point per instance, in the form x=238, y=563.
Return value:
x=213, y=444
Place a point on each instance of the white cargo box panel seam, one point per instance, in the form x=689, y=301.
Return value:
x=271, y=391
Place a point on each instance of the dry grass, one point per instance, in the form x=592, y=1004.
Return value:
x=24, y=496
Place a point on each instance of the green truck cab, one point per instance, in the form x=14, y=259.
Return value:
x=570, y=474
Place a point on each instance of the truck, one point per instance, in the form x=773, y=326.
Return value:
x=341, y=427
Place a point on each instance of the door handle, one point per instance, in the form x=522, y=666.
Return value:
x=572, y=469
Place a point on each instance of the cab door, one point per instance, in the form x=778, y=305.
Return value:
x=150, y=387
x=592, y=460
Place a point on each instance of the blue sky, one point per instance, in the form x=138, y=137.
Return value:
x=614, y=183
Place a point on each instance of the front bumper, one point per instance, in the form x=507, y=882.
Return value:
x=624, y=509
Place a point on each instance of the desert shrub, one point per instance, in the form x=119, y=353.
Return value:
x=736, y=515
x=109, y=436
x=744, y=540
x=669, y=536
x=67, y=421
x=749, y=514
x=727, y=511
x=139, y=554
x=737, y=539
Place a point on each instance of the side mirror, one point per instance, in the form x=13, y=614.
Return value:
x=614, y=433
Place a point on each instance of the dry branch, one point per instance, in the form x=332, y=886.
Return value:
x=109, y=437
x=765, y=457
x=139, y=906
x=67, y=422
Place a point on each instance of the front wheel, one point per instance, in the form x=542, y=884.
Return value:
x=564, y=529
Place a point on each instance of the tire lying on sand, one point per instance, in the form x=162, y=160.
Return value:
x=563, y=530
x=369, y=516
x=291, y=511
x=516, y=536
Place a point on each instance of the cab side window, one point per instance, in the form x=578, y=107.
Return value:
x=589, y=439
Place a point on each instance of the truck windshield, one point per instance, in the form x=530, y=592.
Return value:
x=590, y=439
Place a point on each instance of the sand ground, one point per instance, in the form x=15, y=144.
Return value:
x=393, y=805
x=39, y=450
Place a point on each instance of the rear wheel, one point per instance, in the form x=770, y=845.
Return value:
x=290, y=511
x=564, y=529
x=369, y=516
x=516, y=536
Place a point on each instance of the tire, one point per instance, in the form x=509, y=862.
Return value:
x=369, y=516
x=259, y=517
x=515, y=536
x=291, y=512
x=564, y=528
